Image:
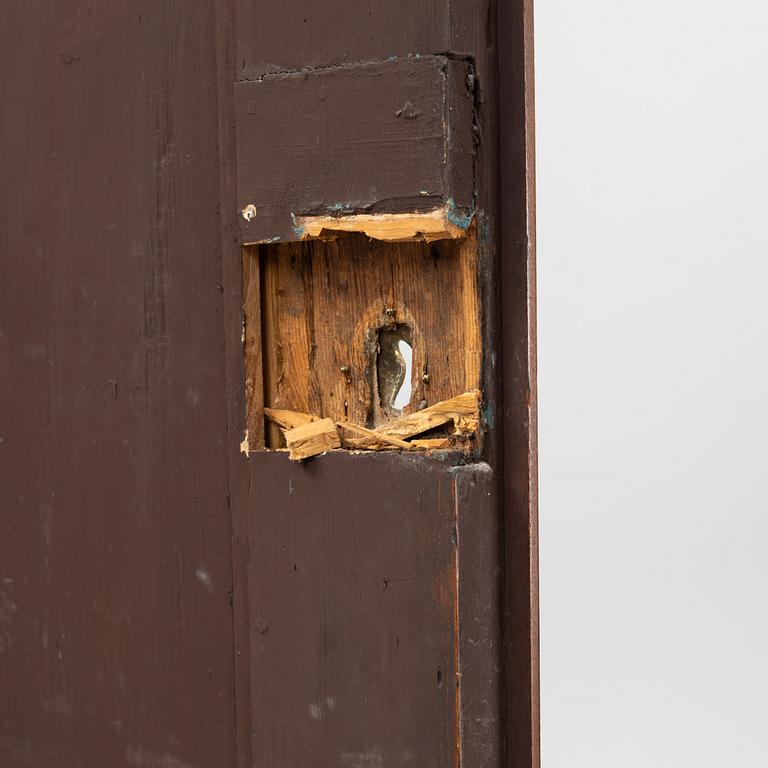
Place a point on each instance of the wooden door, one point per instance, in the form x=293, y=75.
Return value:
x=175, y=590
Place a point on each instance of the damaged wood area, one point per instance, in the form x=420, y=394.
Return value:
x=440, y=224
x=364, y=343
x=306, y=435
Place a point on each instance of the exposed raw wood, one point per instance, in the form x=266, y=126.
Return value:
x=374, y=440
x=312, y=439
x=307, y=435
x=399, y=227
x=323, y=304
x=465, y=426
x=433, y=444
x=254, y=364
x=288, y=419
x=457, y=408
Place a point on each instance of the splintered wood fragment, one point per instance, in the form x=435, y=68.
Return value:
x=312, y=439
x=366, y=444
x=373, y=441
x=288, y=419
x=462, y=407
x=466, y=425
x=393, y=227
x=433, y=444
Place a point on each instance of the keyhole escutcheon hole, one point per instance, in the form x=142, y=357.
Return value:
x=394, y=368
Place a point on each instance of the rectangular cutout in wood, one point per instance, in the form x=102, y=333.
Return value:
x=380, y=337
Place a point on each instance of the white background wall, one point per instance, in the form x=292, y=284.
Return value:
x=652, y=153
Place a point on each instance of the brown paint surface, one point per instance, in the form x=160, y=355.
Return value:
x=363, y=666
x=130, y=524
x=383, y=137
x=115, y=542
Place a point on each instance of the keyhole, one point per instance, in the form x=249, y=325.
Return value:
x=394, y=368
x=403, y=396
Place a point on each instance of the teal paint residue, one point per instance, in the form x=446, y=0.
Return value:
x=488, y=415
x=459, y=216
x=298, y=230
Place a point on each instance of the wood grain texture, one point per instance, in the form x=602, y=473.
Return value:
x=497, y=37
x=460, y=410
x=324, y=302
x=518, y=382
x=115, y=540
x=433, y=225
x=323, y=33
x=365, y=666
x=380, y=137
x=312, y=439
x=123, y=492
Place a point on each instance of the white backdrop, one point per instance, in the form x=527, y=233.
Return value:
x=652, y=154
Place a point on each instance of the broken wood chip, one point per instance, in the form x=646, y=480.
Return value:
x=307, y=435
x=433, y=444
x=455, y=409
x=288, y=419
x=371, y=440
x=312, y=439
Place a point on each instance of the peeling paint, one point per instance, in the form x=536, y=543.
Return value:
x=298, y=229
x=459, y=216
x=245, y=446
x=488, y=415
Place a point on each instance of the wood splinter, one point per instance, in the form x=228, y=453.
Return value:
x=375, y=441
x=462, y=410
x=288, y=419
x=307, y=435
x=312, y=439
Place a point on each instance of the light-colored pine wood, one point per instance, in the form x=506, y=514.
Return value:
x=370, y=440
x=433, y=444
x=288, y=419
x=397, y=227
x=312, y=439
x=254, y=364
x=323, y=303
x=464, y=407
